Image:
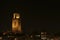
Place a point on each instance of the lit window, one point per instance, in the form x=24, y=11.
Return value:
x=17, y=17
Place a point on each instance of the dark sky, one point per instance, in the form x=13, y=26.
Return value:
x=36, y=15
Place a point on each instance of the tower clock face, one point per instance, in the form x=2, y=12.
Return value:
x=15, y=23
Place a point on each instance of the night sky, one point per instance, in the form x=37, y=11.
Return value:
x=36, y=16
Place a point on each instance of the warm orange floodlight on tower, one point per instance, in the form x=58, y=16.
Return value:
x=16, y=23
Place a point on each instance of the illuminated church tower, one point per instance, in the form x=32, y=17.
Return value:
x=16, y=23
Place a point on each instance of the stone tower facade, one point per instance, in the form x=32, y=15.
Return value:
x=16, y=23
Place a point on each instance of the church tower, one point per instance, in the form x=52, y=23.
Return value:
x=16, y=23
